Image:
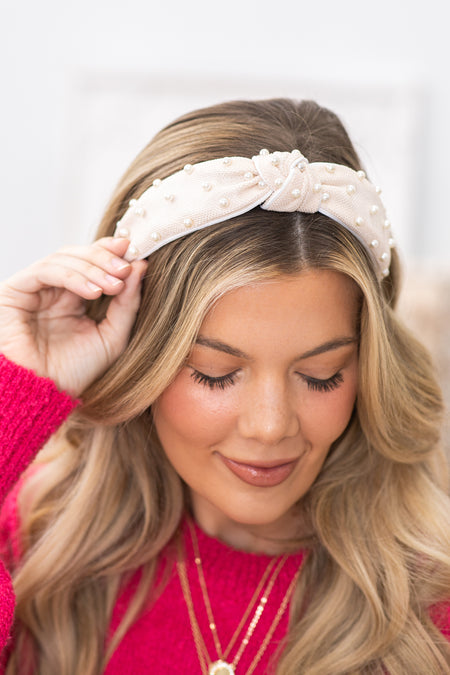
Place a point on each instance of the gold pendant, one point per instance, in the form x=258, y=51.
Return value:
x=221, y=668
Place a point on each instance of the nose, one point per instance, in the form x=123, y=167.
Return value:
x=268, y=413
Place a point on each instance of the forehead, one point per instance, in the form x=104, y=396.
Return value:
x=312, y=306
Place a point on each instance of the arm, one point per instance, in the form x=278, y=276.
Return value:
x=49, y=346
x=32, y=409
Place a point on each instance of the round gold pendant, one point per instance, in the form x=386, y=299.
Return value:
x=221, y=668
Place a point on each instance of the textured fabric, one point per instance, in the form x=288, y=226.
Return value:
x=161, y=640
x=31, y=410
x=216, y=190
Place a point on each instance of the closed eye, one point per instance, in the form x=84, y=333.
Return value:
x=214, y=382
x=329, y=384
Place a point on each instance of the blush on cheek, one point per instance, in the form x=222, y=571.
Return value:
x=192, y=411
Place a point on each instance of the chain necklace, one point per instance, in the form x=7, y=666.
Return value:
x=222, y=665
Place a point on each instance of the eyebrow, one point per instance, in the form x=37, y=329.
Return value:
x=329, y=346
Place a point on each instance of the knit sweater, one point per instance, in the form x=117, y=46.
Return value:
x=161, y=640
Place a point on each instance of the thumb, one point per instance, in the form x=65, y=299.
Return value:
x=121, y=314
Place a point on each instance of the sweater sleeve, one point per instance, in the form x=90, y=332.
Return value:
x=31, y=409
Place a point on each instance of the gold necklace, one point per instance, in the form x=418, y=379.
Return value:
x=222, y=666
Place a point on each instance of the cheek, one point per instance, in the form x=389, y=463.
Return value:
x=329, y=414
x=195, y=413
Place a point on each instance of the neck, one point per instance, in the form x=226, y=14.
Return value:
x=274, y=538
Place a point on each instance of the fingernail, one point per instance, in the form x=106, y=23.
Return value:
x=119, y=263
x=92, y=286
x=113, y=280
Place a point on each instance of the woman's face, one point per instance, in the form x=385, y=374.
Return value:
x=269, y=385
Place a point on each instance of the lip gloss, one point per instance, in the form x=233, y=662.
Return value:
x=260, y=476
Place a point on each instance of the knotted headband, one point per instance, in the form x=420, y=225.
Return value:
x=216, y=190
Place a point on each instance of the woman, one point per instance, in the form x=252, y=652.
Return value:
x=252, y=481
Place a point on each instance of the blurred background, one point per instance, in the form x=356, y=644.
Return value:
x=85, y=85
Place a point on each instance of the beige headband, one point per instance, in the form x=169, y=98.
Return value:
x=210, y=192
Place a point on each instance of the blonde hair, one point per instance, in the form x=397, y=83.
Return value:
x=106, y=500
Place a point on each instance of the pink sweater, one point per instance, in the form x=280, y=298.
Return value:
x=161, y=639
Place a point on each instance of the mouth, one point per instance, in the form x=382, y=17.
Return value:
x=261, y=474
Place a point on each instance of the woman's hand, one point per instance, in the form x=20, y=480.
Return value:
x=43, y=325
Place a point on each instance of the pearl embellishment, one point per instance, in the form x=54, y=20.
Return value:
x=157, y=182
x=224, y=202
x=132, y=202
x=359, y=221
x=188, y=222
x=188, y=168
x=295, y=193
x=264, y=151
x=350, y=189
x=156, y=236
x=361, y=175
x=169, y=197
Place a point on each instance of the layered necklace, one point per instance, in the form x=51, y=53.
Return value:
x=222, y=663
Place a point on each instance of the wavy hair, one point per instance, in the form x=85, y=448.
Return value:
x=105, y=500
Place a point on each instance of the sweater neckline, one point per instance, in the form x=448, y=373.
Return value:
x=219, y=556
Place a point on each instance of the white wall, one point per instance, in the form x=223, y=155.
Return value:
x=67, y=131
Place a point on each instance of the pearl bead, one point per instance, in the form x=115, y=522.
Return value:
x=359, y=221
x=296, y=153
x=301, y=166
x=188, y=222
x=330, y=168
x=279, y=182
x=123, y=232
x=275, y=161
x=248, y=175
x=157, y=182
x=361, y=174
x=325, y=196
x=264, y=151
x=317, y=187
x=155, y=236
x=391, y=243
x=384, y=257
x=224, y=202
x=350, y=189
x=378, y=190
x=374, y=243
x=139, y=211
x=132, y=202
x=385, y=272
x=295, y=193
x=206, y=186
x=169, y=197
x=226, y=160
x=188, y=168
x=387, y=224
x=374, y=209
x=132, y=250
x=261, y=183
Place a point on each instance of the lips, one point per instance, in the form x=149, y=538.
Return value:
x=263, y=474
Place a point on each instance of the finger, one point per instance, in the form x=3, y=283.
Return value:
x=25, y=286
x=121, y=314
x=100, y=254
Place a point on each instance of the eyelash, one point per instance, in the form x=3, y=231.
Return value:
x=227, y=380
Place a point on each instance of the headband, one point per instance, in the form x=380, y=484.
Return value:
x=216, y=190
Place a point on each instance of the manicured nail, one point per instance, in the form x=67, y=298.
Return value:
x=114, y=281
x=119, y=263
x=93, y=286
